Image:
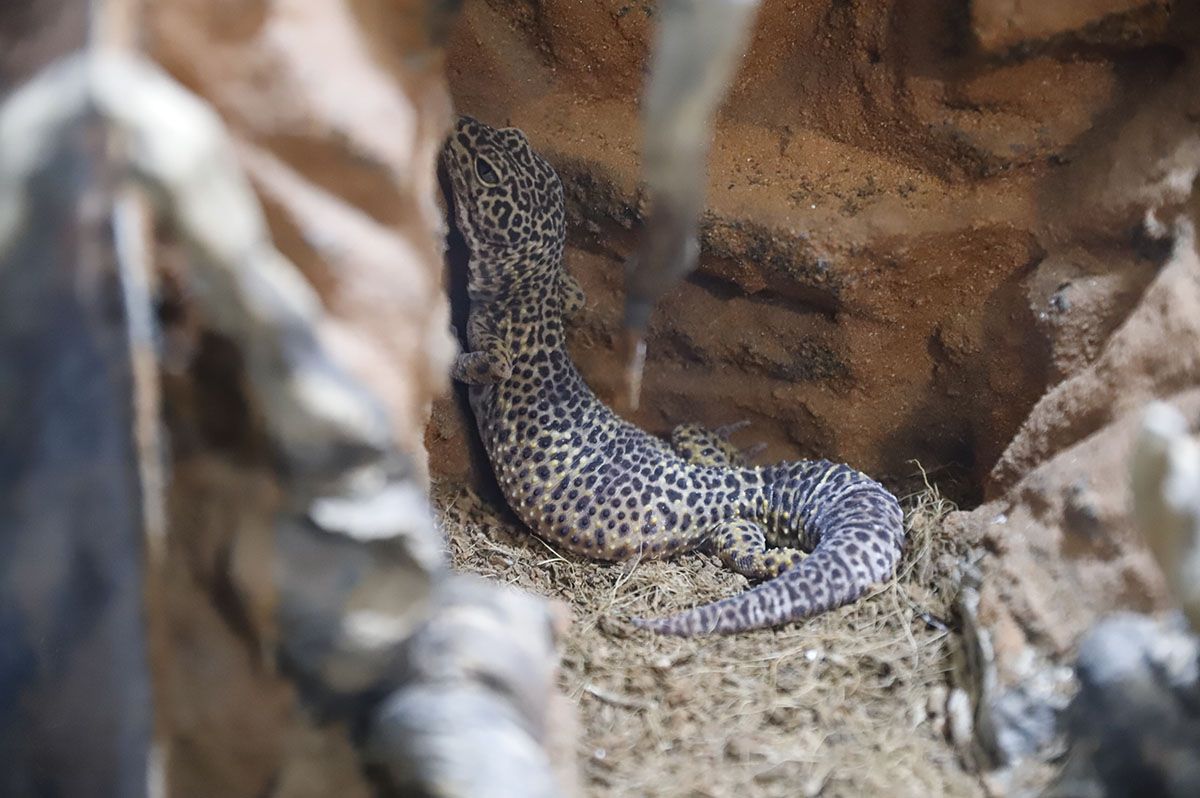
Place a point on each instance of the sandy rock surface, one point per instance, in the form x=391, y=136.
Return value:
x=883, y=198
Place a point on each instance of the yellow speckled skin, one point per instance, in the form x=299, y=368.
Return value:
x=593, y=484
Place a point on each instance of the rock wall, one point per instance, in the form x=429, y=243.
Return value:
x=1062, y=547
x=338, y=112
x=881, y=257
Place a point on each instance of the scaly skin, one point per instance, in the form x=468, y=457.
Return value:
x=588, y=481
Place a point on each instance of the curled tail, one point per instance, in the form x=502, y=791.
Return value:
x=859, y=541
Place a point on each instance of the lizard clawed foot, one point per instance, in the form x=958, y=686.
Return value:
x=752, y=452
x=728, y=429
x=747, y=454
x=711, y=447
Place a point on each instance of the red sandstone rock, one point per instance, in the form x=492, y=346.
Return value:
x=1002, y=24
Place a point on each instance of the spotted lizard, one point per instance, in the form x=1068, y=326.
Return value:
x=816, y=534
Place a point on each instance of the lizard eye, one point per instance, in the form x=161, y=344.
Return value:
x=486, y=172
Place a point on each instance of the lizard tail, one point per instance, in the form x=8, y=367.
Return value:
x=860, y=541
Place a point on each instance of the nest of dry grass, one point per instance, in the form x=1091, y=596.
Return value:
x=849, y=703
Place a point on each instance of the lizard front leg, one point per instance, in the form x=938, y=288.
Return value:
x=490, y=360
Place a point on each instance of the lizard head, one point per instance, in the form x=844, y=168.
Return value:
x=508, y=202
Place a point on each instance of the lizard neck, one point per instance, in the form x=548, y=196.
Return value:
x=531, y=315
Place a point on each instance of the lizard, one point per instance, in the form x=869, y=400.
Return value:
x=814, y=534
